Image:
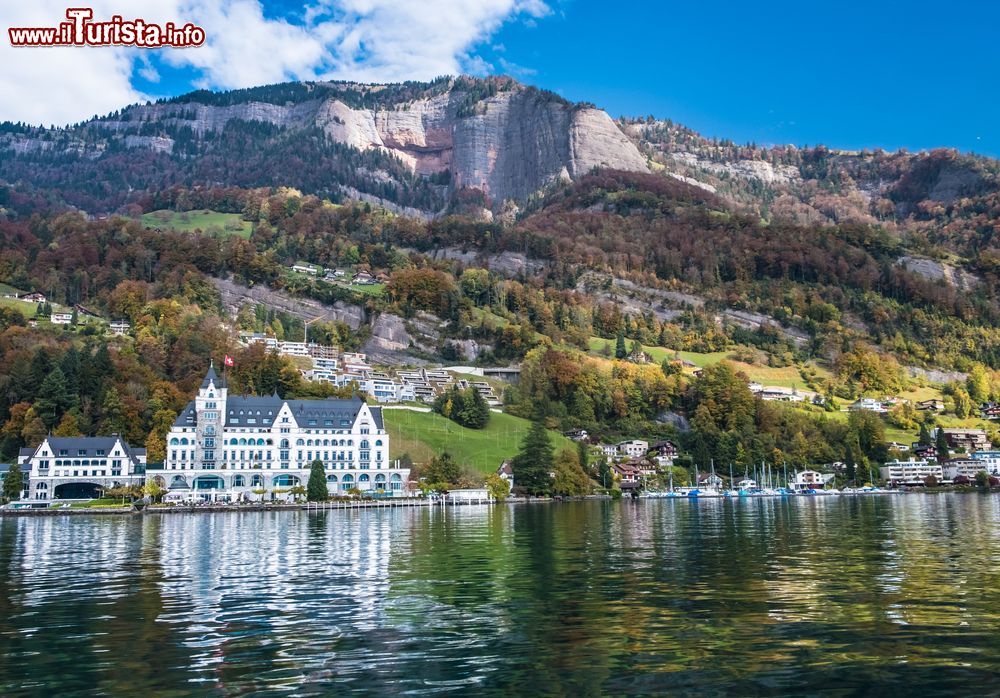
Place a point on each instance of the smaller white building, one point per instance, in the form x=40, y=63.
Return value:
x=990, y=461
x=61, y=318
x=120, y=327
x=810, y=480
x=305, y=269
x=636, y=448
x=868, y=404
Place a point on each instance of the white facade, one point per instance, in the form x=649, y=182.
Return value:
x=61, y=318
x=910, y=472
x=633, y=449
x=223, y=447
x=968, y=467
x=990, y=461
x=74, y=467
x=810, y=480
x=120, y=327
x=869, y=404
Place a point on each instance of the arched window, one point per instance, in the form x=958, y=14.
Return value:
x=42, y=486
x=326, y=442
x=239, y=481
x=363, y=477
x=257, y=481
x=284, y=443
x=184, y=441
x=364, y=444
x=243, y=442
x=379, y=478
x=174, y=441
x=331, y=478
x=348, y=477
x=260, y=442
x=300, y=442
x=309, y=442
x=378, y=442
x=234, y=441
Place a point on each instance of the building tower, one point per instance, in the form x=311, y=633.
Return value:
x=210, y=411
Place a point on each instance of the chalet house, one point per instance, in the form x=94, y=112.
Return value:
x=61, y=318
x=629, y=476
x=645, y=467
x=990, y=410
x=33, y=298
x=934, y=405
x=664, y=451
x=897, y=446
x=506, y=472
x=83, y=310
x=576, y=434
x=363, y=278
x=925, y=452
x=709, y=481
x=120, y=327
x=967, y=439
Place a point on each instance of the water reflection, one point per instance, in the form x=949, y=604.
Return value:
x=847, y=595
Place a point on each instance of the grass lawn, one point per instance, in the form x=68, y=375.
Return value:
x=375, y=290
x=102, y=503
x=206, y=221
x=424, y=435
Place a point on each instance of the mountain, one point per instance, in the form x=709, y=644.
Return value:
x=412, y=146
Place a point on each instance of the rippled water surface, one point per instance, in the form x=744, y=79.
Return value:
x=847, y=596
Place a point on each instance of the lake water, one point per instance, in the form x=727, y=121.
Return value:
x=844, y=596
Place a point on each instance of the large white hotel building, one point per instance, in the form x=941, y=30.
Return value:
x=225, y=447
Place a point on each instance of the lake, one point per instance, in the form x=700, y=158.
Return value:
x=842, y=596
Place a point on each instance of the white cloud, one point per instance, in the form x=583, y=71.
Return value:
x=369, y=40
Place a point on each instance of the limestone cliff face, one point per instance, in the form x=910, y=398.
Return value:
x=515, y=143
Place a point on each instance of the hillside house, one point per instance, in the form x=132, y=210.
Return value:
x=989, y=410
x=305, y=268
x=868, y=404
x=120, y=327
x=934, y=405
x=61, y=318
x=810, y=480
x=33, y=298
x=968, y=440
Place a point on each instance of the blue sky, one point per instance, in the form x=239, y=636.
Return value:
x=848, y=74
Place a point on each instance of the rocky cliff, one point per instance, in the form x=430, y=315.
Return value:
x=499, y=137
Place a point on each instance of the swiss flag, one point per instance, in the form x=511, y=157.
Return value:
x=228, y=361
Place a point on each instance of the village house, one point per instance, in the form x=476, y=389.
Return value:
x=989, y=410
x=868, y=404
x=709, y=481
x=33, y=298
x=810, y=480
x=966, y=439
x=610, y=451
x=363, y=278
x=962, y=467
x=629, y=477
x=897, y=446
x=506, y=472
x=636, y=448
x=934, y=405
x=61, y=318
x=120, y=327
x=576, y=434
x=928, y=452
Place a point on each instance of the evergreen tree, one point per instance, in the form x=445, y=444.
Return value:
x=70, y=366
x=620, y=351
x=925, y=436
x=534, y=463
x=941, y=446
x=113, y=410
x=54, y=399
x=442, y=470
x=316, y=487
x=13, y=483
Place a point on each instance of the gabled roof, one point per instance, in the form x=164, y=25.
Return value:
x=187, y=417
x=89, y=445
x=212, y=377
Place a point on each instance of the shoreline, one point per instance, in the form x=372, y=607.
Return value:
x=407, y=504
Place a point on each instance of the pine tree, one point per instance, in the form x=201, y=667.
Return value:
x=941, y=445
x=54, y=399
x=13, y=483
x=925, y=436
x=316, y=487
x=620, y=351
x=534, y=463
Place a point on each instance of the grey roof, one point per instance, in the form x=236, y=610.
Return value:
x=210, y=377
x=377, y=416
x=262, y=409
x=187, y=417
x=321, y=412
x=89, y=445
x=4, y=467
x=27, y=452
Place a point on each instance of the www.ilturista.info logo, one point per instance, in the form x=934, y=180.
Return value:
x=81, y=30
